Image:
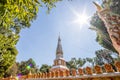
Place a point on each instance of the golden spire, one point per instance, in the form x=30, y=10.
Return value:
x=99, y=8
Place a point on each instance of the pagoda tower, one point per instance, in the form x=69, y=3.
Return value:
x=59, y=62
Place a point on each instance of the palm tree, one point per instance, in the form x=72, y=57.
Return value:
x=72, y=63
x=45, y=68
x=80, y=62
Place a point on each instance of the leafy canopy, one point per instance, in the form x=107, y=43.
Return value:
x=8, y=52
x=14, y=16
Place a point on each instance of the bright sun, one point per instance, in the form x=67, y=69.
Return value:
x=81, y=19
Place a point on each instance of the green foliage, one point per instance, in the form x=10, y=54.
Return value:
x=104, y=56
x=117, y=58
x=22, y=68
x=14, y=16
x=45, y=68
x=97, y=24
x=81, y=62
x=102, y=35
x=72, y=63
x=26, y=66
x=8, y=51
x=114, y=5
x=50, y=3
x=12, y=71
x=90, y=60
x=75, y=63
x=17, y=14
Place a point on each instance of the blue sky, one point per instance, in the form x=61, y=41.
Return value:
x=40, y=40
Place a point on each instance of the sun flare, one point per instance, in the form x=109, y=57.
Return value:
x=81, y=19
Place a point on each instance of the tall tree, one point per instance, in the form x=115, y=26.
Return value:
x=72, y=63
x=8, y=51
x=75, y=63
x=26, y=66
x=90, y=60
x=18, y=14
x=14, y=16
x=81, y=62
x=104, y=56
x=102, y=35
x=12, y=71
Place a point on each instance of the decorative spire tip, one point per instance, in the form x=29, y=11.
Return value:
x=99, y=8
x=59, y=37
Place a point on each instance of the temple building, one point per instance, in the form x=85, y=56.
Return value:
x=59, y=62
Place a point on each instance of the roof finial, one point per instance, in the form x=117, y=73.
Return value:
x=59, y=37
x=99, y=8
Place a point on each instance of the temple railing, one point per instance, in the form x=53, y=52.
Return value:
x=96, y=73
x=105, y=76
